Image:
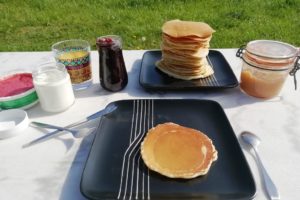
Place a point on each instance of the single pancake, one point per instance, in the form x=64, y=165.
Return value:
x=177, y=28
x=178, y=152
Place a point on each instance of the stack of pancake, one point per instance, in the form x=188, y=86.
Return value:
x=185, y=45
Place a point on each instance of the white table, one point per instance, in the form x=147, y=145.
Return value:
x=52, y=170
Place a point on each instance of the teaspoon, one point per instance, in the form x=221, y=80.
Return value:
x=253, y=141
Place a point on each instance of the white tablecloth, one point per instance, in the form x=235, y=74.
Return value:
x=52, y=170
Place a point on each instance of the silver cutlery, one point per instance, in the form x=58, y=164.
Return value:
x=253, y=141
x=110, y=108
x=77, y=133
x=50, y=126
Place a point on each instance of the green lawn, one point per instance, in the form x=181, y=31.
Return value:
x=33, y=25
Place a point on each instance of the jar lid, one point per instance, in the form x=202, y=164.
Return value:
x=12, y=122
x=271, y=49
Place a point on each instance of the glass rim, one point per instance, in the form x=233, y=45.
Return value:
x=55, y=46
x=51, y=65
x=103, y=36
x=117, y=37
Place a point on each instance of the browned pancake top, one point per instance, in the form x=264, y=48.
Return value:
x=177, y=151
x=177, y=28
x=185, y=46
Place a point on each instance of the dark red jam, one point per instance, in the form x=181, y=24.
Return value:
x=113, y=74
x=15, y=84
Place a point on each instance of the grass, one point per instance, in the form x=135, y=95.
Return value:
x=33, y=25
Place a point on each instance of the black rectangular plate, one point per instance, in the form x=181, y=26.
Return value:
x=115, y=170
x=153, y=78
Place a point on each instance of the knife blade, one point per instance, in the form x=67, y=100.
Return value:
x=108, y=109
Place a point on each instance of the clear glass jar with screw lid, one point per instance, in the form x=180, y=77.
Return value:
x=266, y=65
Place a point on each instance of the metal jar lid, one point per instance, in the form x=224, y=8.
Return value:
x=271, y=55
x=271, y=49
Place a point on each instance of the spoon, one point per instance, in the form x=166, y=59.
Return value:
x=77, y=133
x=253, y=141
x=108, y=109
x=50, y=126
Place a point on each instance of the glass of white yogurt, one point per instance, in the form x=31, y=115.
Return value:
x=53, y=86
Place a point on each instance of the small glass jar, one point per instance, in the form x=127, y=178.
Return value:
x=75, y=55
x=53, y=86
x=266, y=65
x=112, y=70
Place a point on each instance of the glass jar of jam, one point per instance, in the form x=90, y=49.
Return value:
x=266, y=65
x=112, y=73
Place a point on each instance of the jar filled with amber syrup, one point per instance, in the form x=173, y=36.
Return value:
x=266, y=65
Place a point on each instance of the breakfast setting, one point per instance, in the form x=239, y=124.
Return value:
x=98, y=121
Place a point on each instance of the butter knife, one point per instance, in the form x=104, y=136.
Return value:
x=110, y=108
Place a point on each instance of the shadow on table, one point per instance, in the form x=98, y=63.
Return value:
x=228, y=97
x=92, y=91
x=132, y=87
x=71, y=187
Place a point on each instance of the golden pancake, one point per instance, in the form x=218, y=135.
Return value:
x=192, y=58
x=189, y=37
x=187, y=71
x=178, y=152
x=188, y=64
x=184, y=74
x=201, y=67
x=181, y=68
x=189, y=40
x=197, y=53
x=185, y=46
x=178, y=28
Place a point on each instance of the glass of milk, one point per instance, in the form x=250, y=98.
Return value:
x=53, y=86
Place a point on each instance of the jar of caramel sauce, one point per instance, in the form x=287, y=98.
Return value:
x=266, y=65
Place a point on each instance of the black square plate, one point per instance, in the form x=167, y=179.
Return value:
x=115, y=170
x=153, y=78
